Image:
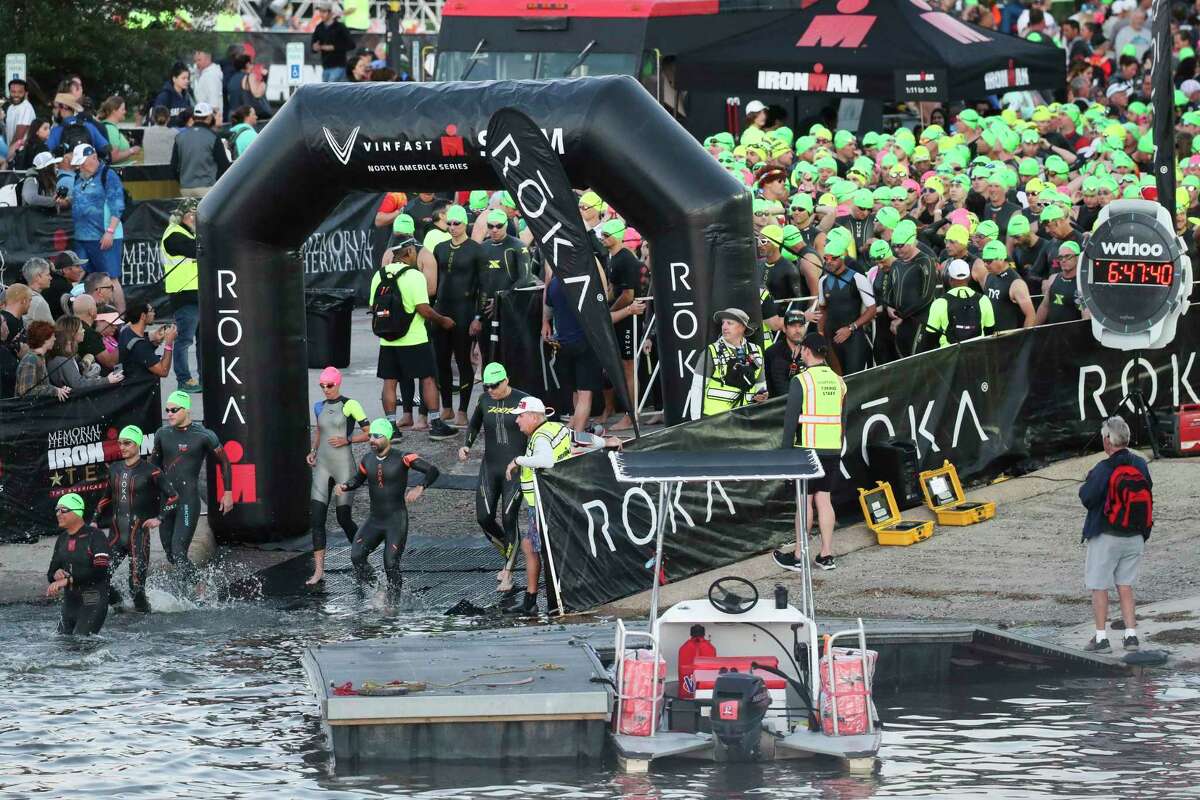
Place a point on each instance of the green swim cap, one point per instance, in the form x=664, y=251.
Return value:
x=507, y=201
x=496, y=217
x=132, y=433
x=888, y=217
x=478, y=200
x=905, y=232
x=181, y=399
x=494, y=372
x=994, y=251
x=864, y=199
x=1069, y=247
x=792, y=236
x=988, y=229
x=613, y=227
x=1018, y=225
x=879, y=250
x=456, y=213
x=837, y=242
x=71, y=501
x=802, y=201
x=381, y=427
x=403, y=225
x=773, y=234
x=958, y=234
x=1051, y=213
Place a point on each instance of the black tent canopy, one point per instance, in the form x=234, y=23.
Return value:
x=874, y=49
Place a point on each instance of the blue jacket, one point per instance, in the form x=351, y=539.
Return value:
x=88, y=199
x=99, y=140
x=174, y=102
x=1094, y=490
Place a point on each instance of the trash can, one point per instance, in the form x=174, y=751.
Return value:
x=327, y=315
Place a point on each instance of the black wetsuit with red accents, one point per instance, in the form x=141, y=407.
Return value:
x=84, y=556
x=135, y=494
x=386, y=478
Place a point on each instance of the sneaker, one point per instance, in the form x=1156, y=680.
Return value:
x=1131, y=642
x=140, y=603
x=787, y=560
x=191, y=386
x=440, y=430
x=1101, y=646
x=825, y=562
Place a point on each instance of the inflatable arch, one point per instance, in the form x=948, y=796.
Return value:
x=332, y=139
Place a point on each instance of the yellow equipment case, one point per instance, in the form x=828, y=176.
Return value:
x=883, y=517
x=944, y=496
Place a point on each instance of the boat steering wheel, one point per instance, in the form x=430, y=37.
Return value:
x=725, y=599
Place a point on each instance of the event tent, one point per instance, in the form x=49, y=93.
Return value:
x=901, y=50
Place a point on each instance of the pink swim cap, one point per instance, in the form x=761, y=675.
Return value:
x=331, y=375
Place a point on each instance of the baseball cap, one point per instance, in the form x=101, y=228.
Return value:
x=1018, y=225
x=403, y=225
x=202, y=109
x=72, y=502
x=958, y=270
x=456, y=213
x=43, y=159
x=735, y=314
x=132, y=433
x=994, y=251
x=381, y=427
x=494, y=372
x=755, y=106
x=793, y=316
x=958, y=233
x=613, y=227
x=905, y=232
x=68, y=100
x=179, y=398
x=773, y=234
x=775, y=174
x=81, y=153
x=531, y=405
x=69, y=258
x=879, y=249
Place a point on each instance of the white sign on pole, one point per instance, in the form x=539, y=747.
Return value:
x=14, y=67
x=295, y=62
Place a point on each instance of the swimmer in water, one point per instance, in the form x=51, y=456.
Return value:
x=79, y=569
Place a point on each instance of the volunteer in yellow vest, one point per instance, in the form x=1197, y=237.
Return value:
x=733, y=368
x=180, y=282
x=549, y=443
x=813, y=419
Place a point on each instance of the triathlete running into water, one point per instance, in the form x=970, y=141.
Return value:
x=79, y=569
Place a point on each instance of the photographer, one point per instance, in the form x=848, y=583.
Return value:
x=37, y=187
x=17, y=299
x=138, y=348
x=734, y=366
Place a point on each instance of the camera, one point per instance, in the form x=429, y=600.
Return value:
x=62, y=192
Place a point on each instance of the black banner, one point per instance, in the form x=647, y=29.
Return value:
x=48, y=449
x=339, y=254
x=1162, y=98
x=1004, y=404
x=533, y=175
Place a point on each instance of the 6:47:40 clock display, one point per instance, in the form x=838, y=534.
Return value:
x=1137, y=273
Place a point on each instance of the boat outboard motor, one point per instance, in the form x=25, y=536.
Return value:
x=740, y=701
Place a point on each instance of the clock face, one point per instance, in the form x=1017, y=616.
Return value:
x=1130, y=272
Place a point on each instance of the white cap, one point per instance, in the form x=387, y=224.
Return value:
x=530, y=404
x=81, y=153
x=1190, y=86
x=43, y=160
x=755, y=106
x=1115, y=88
x=202, y=110
x=957, y=270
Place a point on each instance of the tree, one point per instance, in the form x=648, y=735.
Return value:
x=121, y=47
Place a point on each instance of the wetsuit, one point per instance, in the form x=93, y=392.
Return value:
x=916, y=281
x=502, y=442
x=884, y=346
x=844, y=296
x=84, y=556
x=1063, y=296
x=334, y=464
x=134, y=495
x=181, y=453
x=861, y=230
x=782, y=279
x=999, y=290
x=505, y=263
x=459, y=268
x=387, y=480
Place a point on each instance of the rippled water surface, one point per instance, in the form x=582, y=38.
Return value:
x=211, y=702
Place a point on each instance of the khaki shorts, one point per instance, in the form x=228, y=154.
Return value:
x=1112, y=560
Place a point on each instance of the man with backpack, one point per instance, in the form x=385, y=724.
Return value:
x=960, y=314
x=399, y=308
x=97, y=202
x=74, y=128
x=1118, y=496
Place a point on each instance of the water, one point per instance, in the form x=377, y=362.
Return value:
x=210, y=701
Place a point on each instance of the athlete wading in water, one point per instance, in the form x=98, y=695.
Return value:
x=386, y=475
x=79, y=570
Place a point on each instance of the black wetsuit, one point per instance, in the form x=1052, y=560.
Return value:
x=502, y=442
x=916, y=281
x=783, y=280
x=84, y=556
x=181, y=454
x=861, y=230
x=387, y=480
x=459, y=269
x=505, y=263
x=1063, y=296
x=134, y=495
x=844, y=296
x=884, y=346
x=998, y=287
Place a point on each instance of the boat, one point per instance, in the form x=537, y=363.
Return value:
x=771, y=691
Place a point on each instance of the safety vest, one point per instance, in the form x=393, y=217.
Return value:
x=764, y=294
x=819, y=425
x=179, y=272
x=719, y=396
x=559, y=436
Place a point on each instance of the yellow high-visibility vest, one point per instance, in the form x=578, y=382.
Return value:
x=559, y=436
x=180, y=272
x=719, y=396
x=819, y=426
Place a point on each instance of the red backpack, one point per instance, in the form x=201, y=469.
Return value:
x=1129, y=506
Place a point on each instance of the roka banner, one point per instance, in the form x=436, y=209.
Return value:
x=48, y=449
x=1007, y=403
x=534, y=177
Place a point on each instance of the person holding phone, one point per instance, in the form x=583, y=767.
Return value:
x=139, y=348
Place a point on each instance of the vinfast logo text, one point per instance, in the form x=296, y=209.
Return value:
x=849, y=28
x=1131, y=248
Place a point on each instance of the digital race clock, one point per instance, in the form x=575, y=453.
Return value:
x=1134, y=277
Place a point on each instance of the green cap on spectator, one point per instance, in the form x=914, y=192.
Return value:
x=994, y=251
x=403, y=225
x=879, y=249
x=1018, y=225
x=905, y=232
